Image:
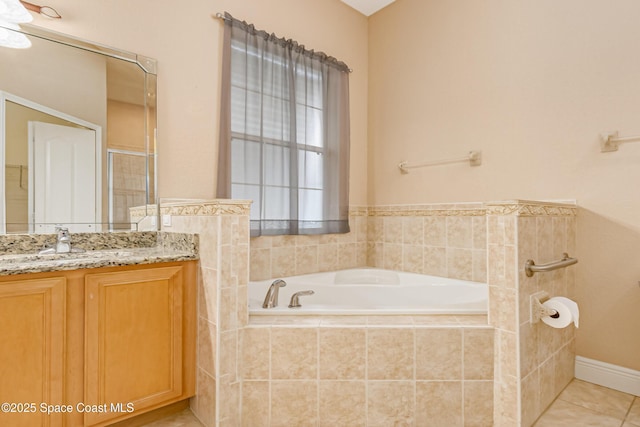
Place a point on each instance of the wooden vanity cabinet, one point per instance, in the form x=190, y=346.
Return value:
x=117, y=341
x=134, y=341
x=32, y=337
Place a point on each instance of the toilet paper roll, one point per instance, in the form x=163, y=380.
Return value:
x=567, y=310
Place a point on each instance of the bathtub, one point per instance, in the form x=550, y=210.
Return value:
x=371, y=291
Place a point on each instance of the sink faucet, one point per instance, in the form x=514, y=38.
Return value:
x=63, y=242
x=271, y=299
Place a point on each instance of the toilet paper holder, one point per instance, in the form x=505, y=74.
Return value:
x=538, y=311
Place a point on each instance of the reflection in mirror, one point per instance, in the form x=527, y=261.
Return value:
x=77, y=137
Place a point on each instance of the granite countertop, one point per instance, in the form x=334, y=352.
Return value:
x=19, y=253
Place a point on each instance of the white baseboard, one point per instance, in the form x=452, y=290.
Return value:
x=608, y=375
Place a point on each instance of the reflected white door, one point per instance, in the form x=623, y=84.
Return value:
x=62, y=184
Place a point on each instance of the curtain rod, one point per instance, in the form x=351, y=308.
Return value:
x=221, y=16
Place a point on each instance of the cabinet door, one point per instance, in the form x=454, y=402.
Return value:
x=133, y=341
x=32, y=330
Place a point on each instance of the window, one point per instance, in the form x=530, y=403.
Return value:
x=284, y=133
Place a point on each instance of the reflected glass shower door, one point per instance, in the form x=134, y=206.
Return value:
x=127, y=186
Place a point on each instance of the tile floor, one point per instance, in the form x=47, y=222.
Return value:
x=581, y=404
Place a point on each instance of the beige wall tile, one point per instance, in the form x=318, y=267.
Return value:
x=256, y=353
x=294, y=353
x=439, y=352
x=228, y=309
x=412, y=259
x=435, y=231
x=392, y=256
x=347, y=257
x=565, y=366
x=228, y=354
x=328, y=257
x=479, y=265
x=460, y=263
x=206, y=346
x=229, y=409
x=459, y=232
x=544, y=235
x=413, y=230
x=375, y=229
x=507, y=356
x=478, y=354
x=439, y=403
x=502, y=306
x=227, y=273
x=435, y=261
x=342, y=353
x=260, y=265
x=342, y=404
x=527, y=240
x=505, y=403
x=283, y=261
x=529, y=344
x=390, y=403
x=478, y=403
x=306, y=259
x=530, y=398
x=559, y=235
x=208, y=294
x=204, y=403
x=479, y=224
x=496, y=265
x=390, y=353
x=547, y=383
x=240, y=264
x=255, y=404
x=495, y=230
x=392, y=230
x=294, y=403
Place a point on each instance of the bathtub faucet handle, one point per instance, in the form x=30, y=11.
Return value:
x=295, y=298
x=271, y=299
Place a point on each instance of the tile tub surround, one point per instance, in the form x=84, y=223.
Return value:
x=283, y=256
x=221, y=397
x=534, y=362
x=367, y=371
x=446, y=240
x=223, y=230
x=436, y=239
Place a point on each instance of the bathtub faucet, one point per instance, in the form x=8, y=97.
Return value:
x=271, y=299
x=295, y=298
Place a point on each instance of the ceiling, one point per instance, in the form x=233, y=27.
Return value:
x=368, y=7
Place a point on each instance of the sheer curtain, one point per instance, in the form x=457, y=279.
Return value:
x=284, y=133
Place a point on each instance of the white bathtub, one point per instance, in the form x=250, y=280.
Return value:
x=370, y=291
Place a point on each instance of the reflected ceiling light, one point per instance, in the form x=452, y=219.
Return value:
x=14, y=12
x=10, y=36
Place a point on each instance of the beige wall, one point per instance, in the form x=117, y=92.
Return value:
x=531, y=85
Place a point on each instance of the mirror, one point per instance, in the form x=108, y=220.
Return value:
x=77, y=136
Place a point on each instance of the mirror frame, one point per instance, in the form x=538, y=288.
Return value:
x=149, y=67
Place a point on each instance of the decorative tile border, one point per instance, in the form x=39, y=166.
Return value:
x=452, y=209
x=207, y=208
x=531, y=208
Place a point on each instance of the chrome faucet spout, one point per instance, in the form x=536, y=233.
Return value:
x=63, y=243
x=271, y=299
